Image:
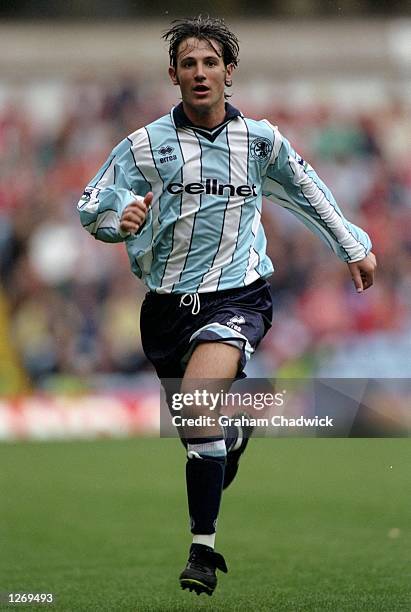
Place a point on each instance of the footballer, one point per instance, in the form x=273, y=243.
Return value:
x=185, y=195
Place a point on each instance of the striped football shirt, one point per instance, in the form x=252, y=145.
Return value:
x=203, y=231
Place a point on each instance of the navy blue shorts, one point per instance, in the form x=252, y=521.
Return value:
x=173, y=325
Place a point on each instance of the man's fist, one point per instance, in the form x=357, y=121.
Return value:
x=363, y=272
x=135, y=213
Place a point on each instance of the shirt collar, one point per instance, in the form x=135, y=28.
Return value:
x=181, y=120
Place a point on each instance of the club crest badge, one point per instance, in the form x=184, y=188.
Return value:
x=260, y=149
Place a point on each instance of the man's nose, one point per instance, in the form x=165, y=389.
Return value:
x=199, y=74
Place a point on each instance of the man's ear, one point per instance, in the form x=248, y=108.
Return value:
x=228, y=75
x=173, y=75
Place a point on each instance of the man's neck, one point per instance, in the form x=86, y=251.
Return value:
x=209, y=119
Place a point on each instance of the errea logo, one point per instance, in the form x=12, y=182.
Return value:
x=166, y=154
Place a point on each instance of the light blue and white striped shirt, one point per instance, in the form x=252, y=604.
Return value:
x=203, y=231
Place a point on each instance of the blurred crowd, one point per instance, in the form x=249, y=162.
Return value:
x=73, y=304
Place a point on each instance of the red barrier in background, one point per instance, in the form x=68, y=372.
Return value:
x=41, y=417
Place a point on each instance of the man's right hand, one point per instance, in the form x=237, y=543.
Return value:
x=135, y=213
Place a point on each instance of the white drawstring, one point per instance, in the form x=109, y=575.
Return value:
x=194, y=301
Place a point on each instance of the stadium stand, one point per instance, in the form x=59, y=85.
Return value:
x=72, y=303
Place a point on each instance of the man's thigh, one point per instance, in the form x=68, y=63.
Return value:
x=213, y=360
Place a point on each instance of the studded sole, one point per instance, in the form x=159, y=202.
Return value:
x=196, y=586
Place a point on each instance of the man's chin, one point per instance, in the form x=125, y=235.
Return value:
x=200, y=106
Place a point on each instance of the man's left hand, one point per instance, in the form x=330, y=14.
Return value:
x=363, y=272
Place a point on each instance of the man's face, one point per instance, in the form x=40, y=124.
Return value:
x=201, y=74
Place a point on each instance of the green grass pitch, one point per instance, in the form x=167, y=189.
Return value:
x=309, y=525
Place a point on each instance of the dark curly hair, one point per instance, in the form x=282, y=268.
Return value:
x=204, y=28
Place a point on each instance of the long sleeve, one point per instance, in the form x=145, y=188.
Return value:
x=114, y=187
x=291, y=182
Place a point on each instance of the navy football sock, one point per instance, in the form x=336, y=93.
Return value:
x=230, y=436
x=205, y=477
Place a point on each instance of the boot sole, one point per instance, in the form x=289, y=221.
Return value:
x=196, y=586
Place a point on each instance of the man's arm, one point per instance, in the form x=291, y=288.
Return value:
x=110, y=208
x=291, y=182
